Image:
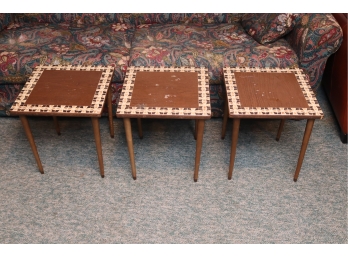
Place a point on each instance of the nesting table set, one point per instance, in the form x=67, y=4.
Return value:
x=167, y=93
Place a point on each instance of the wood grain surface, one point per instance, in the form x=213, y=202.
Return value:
x=165, y=89
x=259, y=89
x=65, y=87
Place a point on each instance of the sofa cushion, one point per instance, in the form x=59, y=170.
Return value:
x=211, y=46
x=129, y=18
x=185, y=18
x=267, y=27
x=23, y=47
x=176, y=45
x=75, y=18
x=278, y=54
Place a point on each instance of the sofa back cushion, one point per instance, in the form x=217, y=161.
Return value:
x=22, y=48
x=185, y=18
x=128, y=18
x=267, y=27
x=75, y=18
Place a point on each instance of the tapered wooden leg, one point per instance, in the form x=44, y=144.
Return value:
x=305, y=141
x=56, y=124
x=235, y=131
x=280, y=129
x=96, y=130
x=111, y=123
x=196, y=130
x=199, y=141
x=225, y=118
x=140, y=128
x=128, y=130
x=27, y=130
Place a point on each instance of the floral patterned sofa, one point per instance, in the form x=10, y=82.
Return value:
x=179, y=39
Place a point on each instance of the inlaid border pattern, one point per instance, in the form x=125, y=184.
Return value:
x=203, y=110
x=236, y=109
x=94, y=108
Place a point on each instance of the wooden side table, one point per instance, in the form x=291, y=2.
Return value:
x=73, y=91
x=270, y=94
x=165, y=93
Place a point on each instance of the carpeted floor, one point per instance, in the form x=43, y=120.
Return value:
x=71, y=203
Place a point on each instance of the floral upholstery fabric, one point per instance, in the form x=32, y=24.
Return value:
x=267, y=27
x=5, y=19
x=24, y=47
x=8, y=94
x=212, y=46
x=73, y=18
x=129, y=18
x=314, y=38
x=185, y=18
x=217, y=99
x=175, y=45
x=278, y=54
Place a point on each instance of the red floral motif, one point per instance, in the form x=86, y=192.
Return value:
x=183, y=30
x=143, y=26
x=251, y=32
x=263, y=55
x=191, y=60
x=119, y=27
x=326, y=37
x=60, y=49
x=135, y=55
x=123, y=62
x=205, y=45
x=232, y=37
x=281, y=52
x=159, y=36
x=45, y=33
x=155, y=53
x=65, y=25
x=13, y=26
x=6, y=59
x=242, y=59
x=95, y=41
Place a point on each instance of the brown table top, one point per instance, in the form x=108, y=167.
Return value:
x=64, y=91
x=270, y=93
x=160, y=92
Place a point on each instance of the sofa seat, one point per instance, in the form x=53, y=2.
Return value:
x=24, y=46
x=212, y=46
x=8, y=94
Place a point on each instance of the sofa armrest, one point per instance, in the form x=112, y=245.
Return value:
x=5, y=19
x=335, y=79
x=314, y=38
